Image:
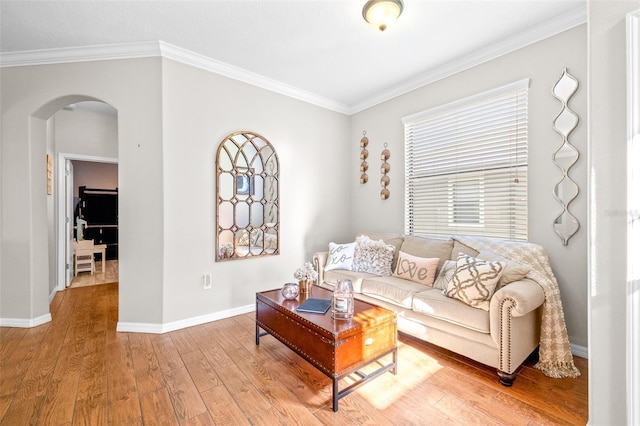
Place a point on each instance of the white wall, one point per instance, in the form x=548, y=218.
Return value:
x=86, y=133
x=200, y=109
x=30, y=96
x=607, y=207
x=171, y=117
x=542, y=63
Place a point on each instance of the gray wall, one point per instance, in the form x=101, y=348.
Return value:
x=30, y=96
x=607, y=189
x=542, y=63
x=171, y=118
x=200, y=109
x=84, y=132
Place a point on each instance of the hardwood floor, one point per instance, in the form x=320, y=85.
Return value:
x=77, y=370
x=108, y=276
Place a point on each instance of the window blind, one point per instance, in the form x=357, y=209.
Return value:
x=466, y=166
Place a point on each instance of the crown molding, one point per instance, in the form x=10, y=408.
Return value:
x=165, y=50
x=203, y=62
x=80, y=54
x=147, y=49
x=571, y=19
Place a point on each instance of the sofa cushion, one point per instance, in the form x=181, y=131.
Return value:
x=428, y=247
x=390, y=238
x=512, y=272
x=391, y=289
x=445, y=275
x=458, y=248
x=331, y=278
x=372, y=256
x=433, y=303
x=340, y=256
x=474, y=281
x=417, y=269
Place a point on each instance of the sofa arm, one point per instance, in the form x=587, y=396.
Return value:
x=515, y=324
x=525, y=296
x=319, y=262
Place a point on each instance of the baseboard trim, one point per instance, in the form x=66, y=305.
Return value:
x=25, y=323
x=580, y=351
x=137, y=327
x=53, y=294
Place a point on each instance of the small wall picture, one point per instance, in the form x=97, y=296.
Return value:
x=244, y=182
x=49, y=175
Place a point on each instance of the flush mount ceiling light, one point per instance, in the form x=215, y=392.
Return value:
x=381, y=13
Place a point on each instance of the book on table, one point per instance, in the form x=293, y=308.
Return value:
x=315, y=306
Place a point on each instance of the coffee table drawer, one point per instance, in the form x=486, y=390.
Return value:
x=362, y=348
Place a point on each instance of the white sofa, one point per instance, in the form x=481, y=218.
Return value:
x=502, y=336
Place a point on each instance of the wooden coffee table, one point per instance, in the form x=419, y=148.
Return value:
x=337, y=348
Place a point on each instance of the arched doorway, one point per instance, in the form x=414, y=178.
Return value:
x=82, y=131
x=67, y=127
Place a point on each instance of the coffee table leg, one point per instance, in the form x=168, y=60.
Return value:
x=335, y=394
x=395, y=361
x=257, y=334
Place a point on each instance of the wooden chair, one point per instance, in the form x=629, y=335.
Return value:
x=83, y=257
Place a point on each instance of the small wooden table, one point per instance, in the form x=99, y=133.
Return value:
x=337, y=348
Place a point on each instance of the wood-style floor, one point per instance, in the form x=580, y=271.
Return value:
x=109, y=275
x=77, y=370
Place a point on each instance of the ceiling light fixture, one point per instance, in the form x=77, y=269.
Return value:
x=381, y=13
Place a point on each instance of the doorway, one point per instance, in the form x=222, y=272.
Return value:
x=633, y=222
x=91, y=198
x=85, y=140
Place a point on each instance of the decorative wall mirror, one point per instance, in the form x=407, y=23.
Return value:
x=247, y=183
x=566, y=190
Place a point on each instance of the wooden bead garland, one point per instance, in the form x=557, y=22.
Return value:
x=363, y=156
x=384, y=169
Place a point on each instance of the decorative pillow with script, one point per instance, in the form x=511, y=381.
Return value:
x=372, y=256
x=474, y=281
x=340, y=256
x=417, y=269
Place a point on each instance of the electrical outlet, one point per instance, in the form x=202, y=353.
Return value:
x=206, y=281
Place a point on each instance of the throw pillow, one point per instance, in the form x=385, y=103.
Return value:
x=474, y=281
x=340, y=256
x=371, y=256
x=417, y=269
x=445, y=275
x=243, y=238
x=514, y=271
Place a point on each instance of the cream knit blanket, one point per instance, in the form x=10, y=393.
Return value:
x=556, y=359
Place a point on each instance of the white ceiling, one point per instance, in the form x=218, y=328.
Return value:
x=323, y=47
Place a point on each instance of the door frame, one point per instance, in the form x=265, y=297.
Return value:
x=61, y=252
x=633, y=219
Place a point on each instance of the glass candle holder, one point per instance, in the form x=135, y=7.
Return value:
x=290, y=291
x=342, y=303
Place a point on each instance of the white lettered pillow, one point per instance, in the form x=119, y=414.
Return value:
x=340, y=256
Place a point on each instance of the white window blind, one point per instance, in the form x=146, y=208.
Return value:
x=466, y=166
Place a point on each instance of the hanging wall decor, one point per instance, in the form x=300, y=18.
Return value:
x=363, y=156
x=384, y=169
x=566, y=190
